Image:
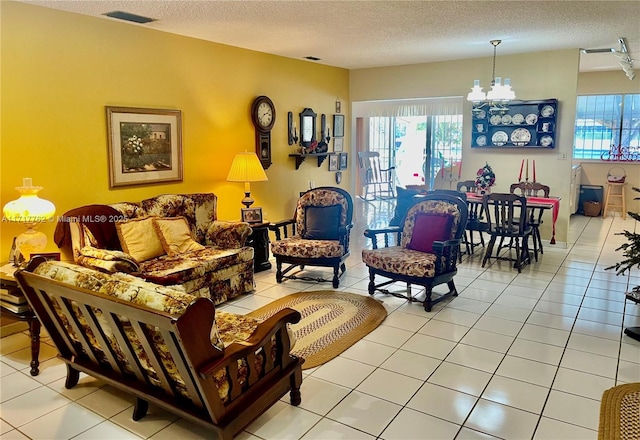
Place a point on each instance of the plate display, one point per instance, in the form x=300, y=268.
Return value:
x=517, y=119
x=499, y=138
x=520, y=136
x=531, y=119
x=481, y=141
x=506, y=119
x=495, y=120
x=547, y=111
x=546, y=141
x=480, y=114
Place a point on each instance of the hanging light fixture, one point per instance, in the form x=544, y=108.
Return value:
x=499, y=95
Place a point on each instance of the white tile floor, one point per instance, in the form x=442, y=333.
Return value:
x=515, y=356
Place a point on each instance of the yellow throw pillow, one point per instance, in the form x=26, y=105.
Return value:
x=139, y=239
x=175, y=235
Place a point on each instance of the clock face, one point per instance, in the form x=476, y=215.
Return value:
x=263, y=113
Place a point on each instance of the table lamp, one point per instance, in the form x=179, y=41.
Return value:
x=246, y=167
x=30, y=210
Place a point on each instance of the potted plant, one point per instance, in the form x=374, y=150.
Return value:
x=631, y=258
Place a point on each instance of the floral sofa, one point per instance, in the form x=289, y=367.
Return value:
x=163, y=345
x=171, y=239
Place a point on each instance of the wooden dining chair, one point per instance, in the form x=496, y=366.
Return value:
x=476, y=222
x=505, y=215
x=533, y=189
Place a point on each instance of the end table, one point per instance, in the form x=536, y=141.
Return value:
x=8, y=282
x=259, y=241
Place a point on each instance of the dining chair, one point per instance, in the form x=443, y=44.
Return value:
x=533, y=189
x=506, y=221
x=476, y=222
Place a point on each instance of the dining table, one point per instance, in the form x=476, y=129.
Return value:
x=543, y=203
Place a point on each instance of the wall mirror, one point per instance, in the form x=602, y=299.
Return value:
x=307, y=127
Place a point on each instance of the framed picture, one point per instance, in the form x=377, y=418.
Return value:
x=338, y=144
x=338, y=126
x=333, y=162
x=145, y=146
x=252, y=215
x=344, y=161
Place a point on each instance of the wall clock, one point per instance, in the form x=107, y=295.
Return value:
x=263, y=116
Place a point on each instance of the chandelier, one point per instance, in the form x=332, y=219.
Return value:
x=500, y=94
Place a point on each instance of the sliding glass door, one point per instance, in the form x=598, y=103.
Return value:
x=418, y=146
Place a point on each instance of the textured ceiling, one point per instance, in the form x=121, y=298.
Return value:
x=360, y=34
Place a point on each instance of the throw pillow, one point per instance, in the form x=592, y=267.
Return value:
x=139, y=239
x=322, y=222
x=404, y=201
x=175, y=235
x=430, y=227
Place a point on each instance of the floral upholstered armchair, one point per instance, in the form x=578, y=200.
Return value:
x=425, y=251
x=317, y=235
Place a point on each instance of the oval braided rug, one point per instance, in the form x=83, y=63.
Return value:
x=620, y=413
x=331, y=322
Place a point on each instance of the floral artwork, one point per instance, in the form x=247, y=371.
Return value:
x=145, y=146
x=485, y=177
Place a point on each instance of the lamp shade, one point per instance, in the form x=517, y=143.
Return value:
x=29, y=208
x=246, y=167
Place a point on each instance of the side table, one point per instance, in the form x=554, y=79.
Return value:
x=7, y=281
x=259, y=241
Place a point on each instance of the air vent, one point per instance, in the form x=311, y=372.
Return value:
x=312, y=58
x=127, y=16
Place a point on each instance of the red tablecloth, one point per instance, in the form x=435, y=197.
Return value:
x=555, y=210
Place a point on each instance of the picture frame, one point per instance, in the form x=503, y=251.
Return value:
x=338, y=126
x=344, y=161
x=252, y=215
x=333, y=162
x=145, y=146
x=338, y=144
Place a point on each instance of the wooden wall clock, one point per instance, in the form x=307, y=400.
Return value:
x=263, y=116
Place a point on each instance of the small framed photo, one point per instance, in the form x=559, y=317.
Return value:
x=338, y=126
x=338, y=144
x=252, y=215
x=333, y=162
x=344, y=161
x=145, y=146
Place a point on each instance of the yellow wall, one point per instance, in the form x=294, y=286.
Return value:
x=539, y=75
x=59, y=71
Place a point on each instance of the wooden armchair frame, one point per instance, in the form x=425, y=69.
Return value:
x=288, y=229
x=446, y=253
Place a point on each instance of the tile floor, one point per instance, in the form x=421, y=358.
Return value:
x=515, y=356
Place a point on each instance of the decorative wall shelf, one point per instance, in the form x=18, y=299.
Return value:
x=301, y=157
x=525, y=124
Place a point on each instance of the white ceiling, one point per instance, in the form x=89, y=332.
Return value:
x=360, y=34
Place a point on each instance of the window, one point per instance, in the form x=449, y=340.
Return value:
x=606, y=121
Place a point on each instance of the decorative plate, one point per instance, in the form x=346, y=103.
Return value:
x=547, y=111
x=495, y=120
x=531, y=119
x=479, y=114
x=481, y=141
x=517, y=119
x=506, y=119
x=520, y=136
x=546, y=141
x=499, y=138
